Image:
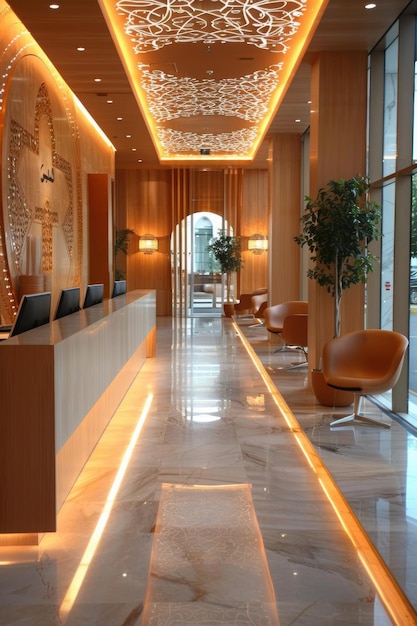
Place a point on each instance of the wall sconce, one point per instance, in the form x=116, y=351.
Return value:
x=258, y=244
x=148, y=244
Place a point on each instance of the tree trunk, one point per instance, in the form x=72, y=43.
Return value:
x=228, y=281
x=337, y=297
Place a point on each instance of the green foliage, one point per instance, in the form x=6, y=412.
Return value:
x=338, y=225
x=122, y=240
x=227, y=251
x=121, y=244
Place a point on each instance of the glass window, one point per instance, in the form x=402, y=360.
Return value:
x=390, y=108
x=395, y=189
x=415, y=104
x=412, y=351
x=202, y=234
x=387, y=256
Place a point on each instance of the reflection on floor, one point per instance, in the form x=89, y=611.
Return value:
x=202, y=413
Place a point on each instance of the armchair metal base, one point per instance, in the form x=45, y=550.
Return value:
x=303, y=363
x=357, y=417
x=258, y=323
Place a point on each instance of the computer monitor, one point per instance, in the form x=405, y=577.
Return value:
x=69, y=302
x=119, y=287
x=34, y=310
x=93, y=295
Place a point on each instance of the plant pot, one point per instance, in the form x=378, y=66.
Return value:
x=228, y=309
x=326, y=395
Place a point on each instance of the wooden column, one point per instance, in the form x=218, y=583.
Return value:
x=283, y=253
x=337, y=150
x=100, y=231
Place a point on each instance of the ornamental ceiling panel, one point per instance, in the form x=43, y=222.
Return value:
x=209, y=75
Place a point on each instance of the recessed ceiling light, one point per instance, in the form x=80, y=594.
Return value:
x=54, y=6
x=119, y=119
x=128, y=136
x=109, y=101
x=297, y=121
x=80, y=49
x=140, y=161
x=133, y=149
x=97, y=80
x=370, y=5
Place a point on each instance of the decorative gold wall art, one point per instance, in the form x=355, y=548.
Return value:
x=41, y=225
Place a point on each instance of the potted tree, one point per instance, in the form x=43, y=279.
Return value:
x=226, y=250
x=337, y=227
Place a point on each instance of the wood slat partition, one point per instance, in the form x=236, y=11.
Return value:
x=254, y=216
x=159, y=201
x=143, y=204
x=59, y=386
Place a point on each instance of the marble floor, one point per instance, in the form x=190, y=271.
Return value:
x=336, y=509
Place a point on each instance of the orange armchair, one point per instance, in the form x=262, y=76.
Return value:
x=364, y=362
x=275, y=315
x=259, y=304
x=295, y=333
x=245, y=304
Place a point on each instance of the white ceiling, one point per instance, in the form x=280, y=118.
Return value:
x=346, y=25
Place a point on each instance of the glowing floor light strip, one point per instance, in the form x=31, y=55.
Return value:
x=88, y=555
x=394, y=600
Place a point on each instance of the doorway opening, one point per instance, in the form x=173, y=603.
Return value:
x=198, y=282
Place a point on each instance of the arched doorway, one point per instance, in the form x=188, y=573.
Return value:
x=199, y=283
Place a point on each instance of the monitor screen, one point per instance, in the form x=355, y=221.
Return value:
x=119, y=287
x=69, y=302
x=34, y=310
x=93, y=295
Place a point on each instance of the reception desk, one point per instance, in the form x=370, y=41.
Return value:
x=59, y=387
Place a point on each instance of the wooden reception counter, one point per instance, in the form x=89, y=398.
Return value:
x=59, y=386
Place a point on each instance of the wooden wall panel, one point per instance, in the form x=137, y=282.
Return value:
x=207, y=191
x=143, y=204
x=27, y=458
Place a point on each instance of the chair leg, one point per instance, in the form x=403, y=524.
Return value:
x=258, y=322
x=357, y=417
x=295, y=366
x=281, y=348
